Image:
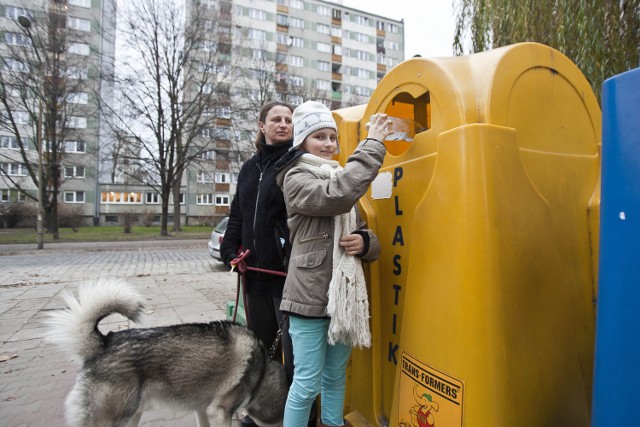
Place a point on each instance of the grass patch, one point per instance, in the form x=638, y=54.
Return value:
x=104, y=234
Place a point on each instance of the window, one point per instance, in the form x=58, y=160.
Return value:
x=152, y=198
x=323, y=29
x=16, y=39
x=222, y=178
x=391, y=62
x=324, y=66
x=14, y=169
x=323, y=85
x=337, y=14
x=204, y=177
x=13, y=12
x=224, y=112
x=391, y=45
x=77, y=122
x=296, y=23
x=204, y=199
x=9, y=142
x=359, y=19
x=296, y=81
x=81, y=3
x=258, y=14
x=323, y=47
x=282, y=38
x=5, y=195
x=296, y=4
x=209, y=46
x=79, y=48
x=282, y=20
x=207, y=155
x=360, y=37
x=74, y=196
x=74, y=171
x=20, y=117
x=78, y=98
x=337, y=49
x=362, y=73
x=78, y=73
x=117, y=197
x=257, y=34
x=79, y=24
x=259, y=54
x=361, y=54
x=362, y=91
x=234, y=178
x=74, y=147
x=295, y=99
x=222, y=200
x=323, y=10
x=296, y=42
x=16, y=66
x=295, y=61
x=181, y=197
x=336, y=31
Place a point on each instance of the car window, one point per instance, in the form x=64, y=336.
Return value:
x=222, y=226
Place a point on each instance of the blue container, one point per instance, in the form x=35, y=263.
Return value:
x=616, y=390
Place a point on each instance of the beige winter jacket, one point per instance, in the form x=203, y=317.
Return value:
x=312, y=202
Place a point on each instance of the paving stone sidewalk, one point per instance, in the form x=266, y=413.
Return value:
x=178, y=278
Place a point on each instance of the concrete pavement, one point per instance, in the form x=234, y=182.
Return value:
x=178, y=278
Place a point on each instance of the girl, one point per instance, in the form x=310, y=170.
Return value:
x=325, y=293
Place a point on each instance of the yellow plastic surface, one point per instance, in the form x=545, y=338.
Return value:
x=487, y=276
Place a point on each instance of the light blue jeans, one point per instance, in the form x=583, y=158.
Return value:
x=319, y=368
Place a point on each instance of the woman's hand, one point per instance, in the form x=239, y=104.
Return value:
x=379, y=127
x=353, y=244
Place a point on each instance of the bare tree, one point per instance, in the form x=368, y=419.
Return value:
x=40, y=83
x=169, y=87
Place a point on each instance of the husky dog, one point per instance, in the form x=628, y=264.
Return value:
x=212, y=368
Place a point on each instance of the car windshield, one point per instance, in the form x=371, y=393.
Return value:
x=222, y=226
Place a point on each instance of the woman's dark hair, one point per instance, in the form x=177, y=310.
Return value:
x=260, y=139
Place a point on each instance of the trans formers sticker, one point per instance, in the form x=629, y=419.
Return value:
x=428, y=397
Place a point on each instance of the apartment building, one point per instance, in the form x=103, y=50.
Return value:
x=293, y=50
x=73, y=41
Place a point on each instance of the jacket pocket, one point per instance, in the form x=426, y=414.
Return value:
x=311, y=259
x=322, y=236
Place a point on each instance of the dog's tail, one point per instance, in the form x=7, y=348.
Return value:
x=75, y=329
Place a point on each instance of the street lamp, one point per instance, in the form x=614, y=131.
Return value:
x=25, y=22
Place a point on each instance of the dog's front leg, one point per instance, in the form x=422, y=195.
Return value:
x=201, y=418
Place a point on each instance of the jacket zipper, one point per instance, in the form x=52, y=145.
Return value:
x=255, y=211
x=323, y=236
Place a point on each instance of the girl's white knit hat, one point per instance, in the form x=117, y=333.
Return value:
x=308, y=118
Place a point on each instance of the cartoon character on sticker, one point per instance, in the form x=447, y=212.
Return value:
x=422, y=414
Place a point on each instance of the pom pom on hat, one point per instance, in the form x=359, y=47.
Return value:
x=308, y=118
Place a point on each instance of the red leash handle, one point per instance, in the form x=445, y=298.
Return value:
x=242, y=267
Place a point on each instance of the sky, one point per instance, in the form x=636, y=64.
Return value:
x=428, y=24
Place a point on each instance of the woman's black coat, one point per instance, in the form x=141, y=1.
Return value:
x=258, y=222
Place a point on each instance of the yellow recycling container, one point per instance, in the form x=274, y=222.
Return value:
x=482, y=301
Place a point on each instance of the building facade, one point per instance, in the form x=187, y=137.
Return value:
x=71, y=44
x=292, y=50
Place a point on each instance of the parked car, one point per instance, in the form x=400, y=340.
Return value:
x=216, y=238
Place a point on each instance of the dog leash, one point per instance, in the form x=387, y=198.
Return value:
x=242, y=266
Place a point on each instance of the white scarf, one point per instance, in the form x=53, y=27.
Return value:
x=348, y=305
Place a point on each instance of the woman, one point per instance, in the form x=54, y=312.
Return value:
x=257, y=222
x=324, y=293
